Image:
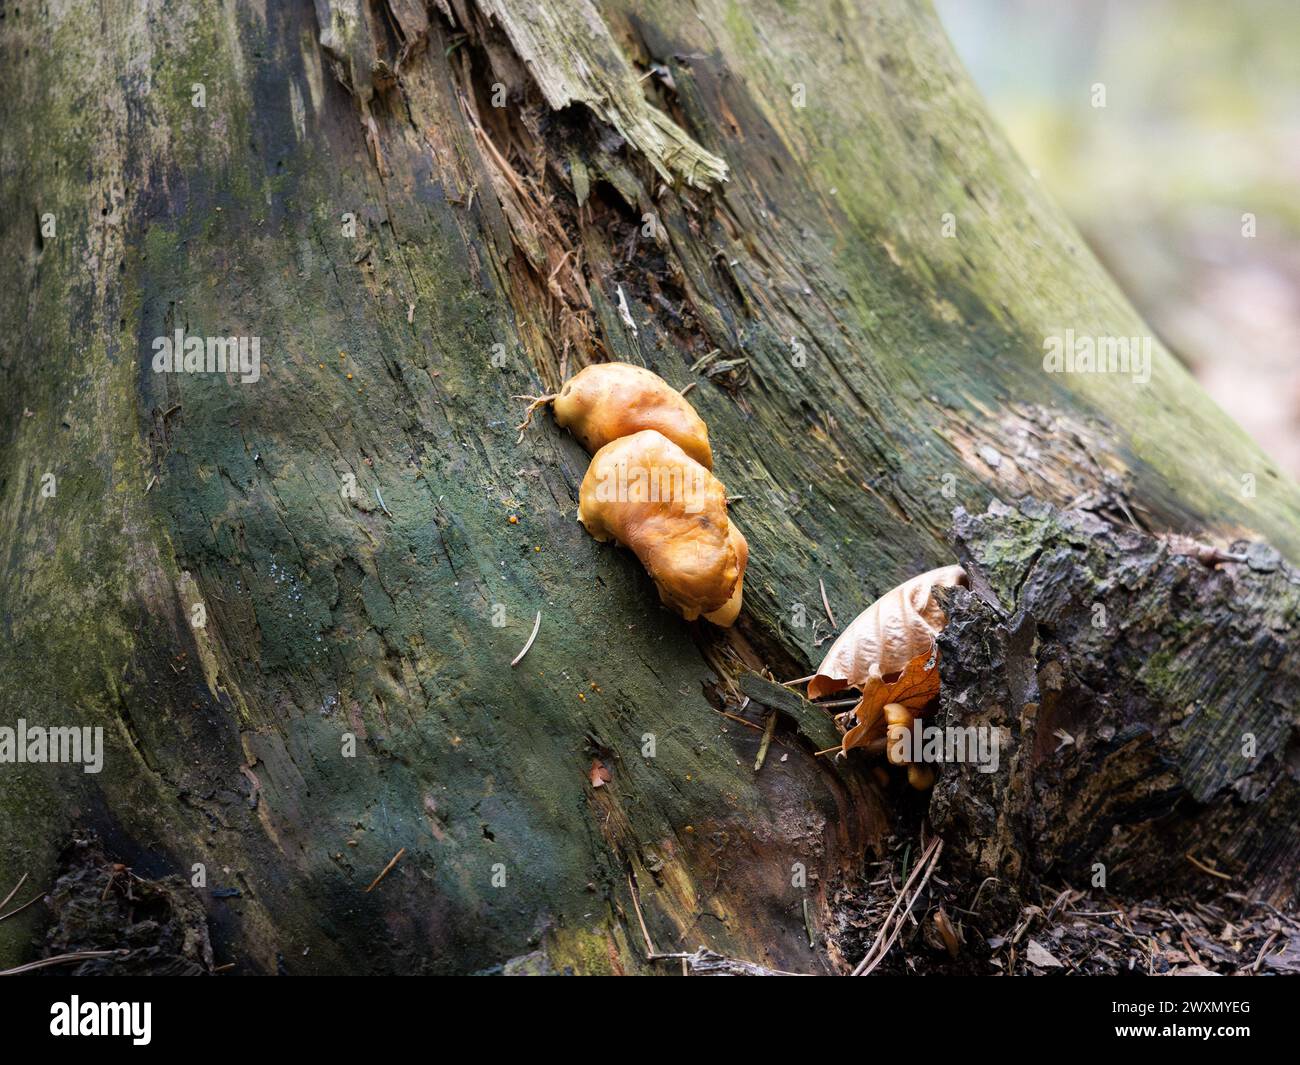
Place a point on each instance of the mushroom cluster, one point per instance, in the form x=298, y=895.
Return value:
x=650, y=486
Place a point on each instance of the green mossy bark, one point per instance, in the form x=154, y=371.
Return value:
x=329, y=615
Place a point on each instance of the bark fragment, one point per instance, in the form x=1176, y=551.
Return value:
x=573, y=58
x=1147, y=707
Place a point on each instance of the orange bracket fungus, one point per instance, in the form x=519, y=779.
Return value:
x=609, y=400
x=889, y=654
x=649, y=485
x=648, y=494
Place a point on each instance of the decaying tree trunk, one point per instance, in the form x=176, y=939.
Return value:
x=421, y=213
x=1146, y=699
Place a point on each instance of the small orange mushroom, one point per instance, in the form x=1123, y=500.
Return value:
x=609, y=400
x=725, y=616
x=898, y=719
x=920, y=776
x=647, y=493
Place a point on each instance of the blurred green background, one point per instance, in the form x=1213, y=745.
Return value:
x=1201, y=125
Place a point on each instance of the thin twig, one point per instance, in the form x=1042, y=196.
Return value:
x=559, y=266
x=386, y=870
x=59, y=959
x=520, y=656
x=974, y=903
x=797, y=680
x=11, y=913
x=624, y=311
x=1205, y=868
x=766, y=741
x=826, y=603
x=880, y=948
x=650, y=951
x=704, y=359
x=876, y=746
x=743, y=721
x=7, y=898
x=929, y=859
x=1259, y=958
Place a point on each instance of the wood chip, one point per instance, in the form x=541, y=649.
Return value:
x=1037, y=954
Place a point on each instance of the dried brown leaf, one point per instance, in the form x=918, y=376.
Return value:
x=947, y=933
x=600, y=776
x=914, y=687
x=886, y=637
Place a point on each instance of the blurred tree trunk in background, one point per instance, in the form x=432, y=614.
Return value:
x=422, y=214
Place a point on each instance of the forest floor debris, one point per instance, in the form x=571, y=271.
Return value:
x=115, y=922
x=1061, y=931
